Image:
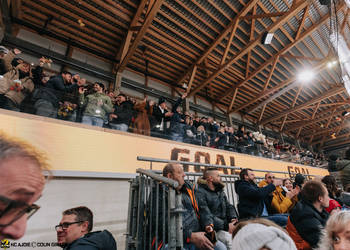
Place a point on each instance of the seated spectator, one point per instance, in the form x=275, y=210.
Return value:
x=193, y=236
x=74, y=232
x=47, y=98
x=16, y=84
x=216, y=211
x=287, y=185
x=121, y=117
x=160, y=116
x=176, y=121
x=21, y=184
x=261, y=234
x=336, y=233
x=334, y=194
x=281, y=202
x=97, y=105
x=308, y=217
x=254, y=201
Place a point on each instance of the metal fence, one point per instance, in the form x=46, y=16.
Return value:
x=154, y=214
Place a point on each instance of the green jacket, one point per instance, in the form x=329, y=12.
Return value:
x=343, y=168
x=92, y=107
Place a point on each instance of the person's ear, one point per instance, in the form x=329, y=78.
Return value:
x=85, y=226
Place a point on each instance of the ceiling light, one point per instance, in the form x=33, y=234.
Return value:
x=333, y=136
x=267, y=38
x=331, y=64
x=306, y=75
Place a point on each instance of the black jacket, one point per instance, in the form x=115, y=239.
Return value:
x=123, y=112
x=176, y=125
x=54, y=90
x=156, y=118
x=308, y=221
x=99, y=240
x=214, y=207
x=252, y=198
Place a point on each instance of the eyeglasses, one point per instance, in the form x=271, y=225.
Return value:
x=65, y=225
x=271, y=177
x=11, y=210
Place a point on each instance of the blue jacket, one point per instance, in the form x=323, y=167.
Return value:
x=99, y=240
x=251, y=198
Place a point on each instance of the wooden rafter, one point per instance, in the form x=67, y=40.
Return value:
x=194, y=70
x=266, y=15
x=218, y=40
x=147, y=22
x=334, y=91
x=292, y=106
x=251, y=36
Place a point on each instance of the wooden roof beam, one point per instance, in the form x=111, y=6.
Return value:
x=147, y=22
x=266, y=15
x=219, y=39
x=288, y=47
x=337, y=89
x=275, y=26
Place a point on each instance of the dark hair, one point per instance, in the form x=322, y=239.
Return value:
x=331, y=185
x=312, y=190
x=244, y=172
x=64, y=72
x=82, y=214
x=284, y=181
x=122, y=95
x=101, y=85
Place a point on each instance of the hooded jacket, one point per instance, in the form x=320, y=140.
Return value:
x=99, y=240
x=251, y=198
x=214, y=207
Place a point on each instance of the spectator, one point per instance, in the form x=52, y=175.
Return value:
x=281, y=202
x=287, y=185
x=74, y=232
x=216, y=211
x=201, y=138
x=47, y=98
x=176, y=121
x=260, y=234
x=254, y=201
x=98, y=105
x=308, y=217
x=189, y=130
x=336, y=233
x=333, y=192
x=193, y=236
x=340, y=168
x=121, y=117
x=21, y=184
x=141, y=124
x=16, y=84
x=160, y=116
x=221, y=139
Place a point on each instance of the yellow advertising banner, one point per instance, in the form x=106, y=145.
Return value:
x=78, y=147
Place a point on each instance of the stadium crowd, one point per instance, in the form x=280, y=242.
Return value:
x=27, y=88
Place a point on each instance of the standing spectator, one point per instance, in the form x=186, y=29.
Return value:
x=160, y=116
x=308, y=217
x=141, y=124
x=74, y=232
x=216, y=211
x=48, y=97
x=121, y=117
x=98, y=105
x=201, y=138
x=221, y=138
x=176, y=121
x=189, y=130
x=340, y=168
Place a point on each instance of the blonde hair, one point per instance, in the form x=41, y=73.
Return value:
x=336, y=223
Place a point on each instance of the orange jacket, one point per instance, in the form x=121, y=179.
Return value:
x=300, y=243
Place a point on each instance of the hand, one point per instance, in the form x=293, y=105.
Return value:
x=277, y=182
x=295, y=191
x=200, y=241
x=184, y=95
x=111, y=116
x=16, y=51
x=232, y=226
x=168, y=114
x=99, y=102
x=81, y=90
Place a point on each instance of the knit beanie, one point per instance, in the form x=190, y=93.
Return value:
x=255, y=236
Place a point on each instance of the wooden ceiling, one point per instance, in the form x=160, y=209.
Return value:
x=214, y=47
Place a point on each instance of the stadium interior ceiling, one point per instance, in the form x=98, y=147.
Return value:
x=214, y=49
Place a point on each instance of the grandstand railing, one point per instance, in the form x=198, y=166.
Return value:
x=146, y=188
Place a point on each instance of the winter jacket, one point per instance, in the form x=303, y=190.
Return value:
x=8, y=88
x=343, y=166
x=280, y=203
x=99, y=240
x=251, y=198
x=54, y=90
x=201, y=138
x=176, y=125
x=308, y=222
x=123, y=112
x=214, y=207
x=92, y=107
x=300, y=243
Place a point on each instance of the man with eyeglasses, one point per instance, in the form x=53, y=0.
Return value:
x=21, y=184
x=74, y=232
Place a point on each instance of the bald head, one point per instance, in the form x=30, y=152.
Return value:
x=175, y=172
